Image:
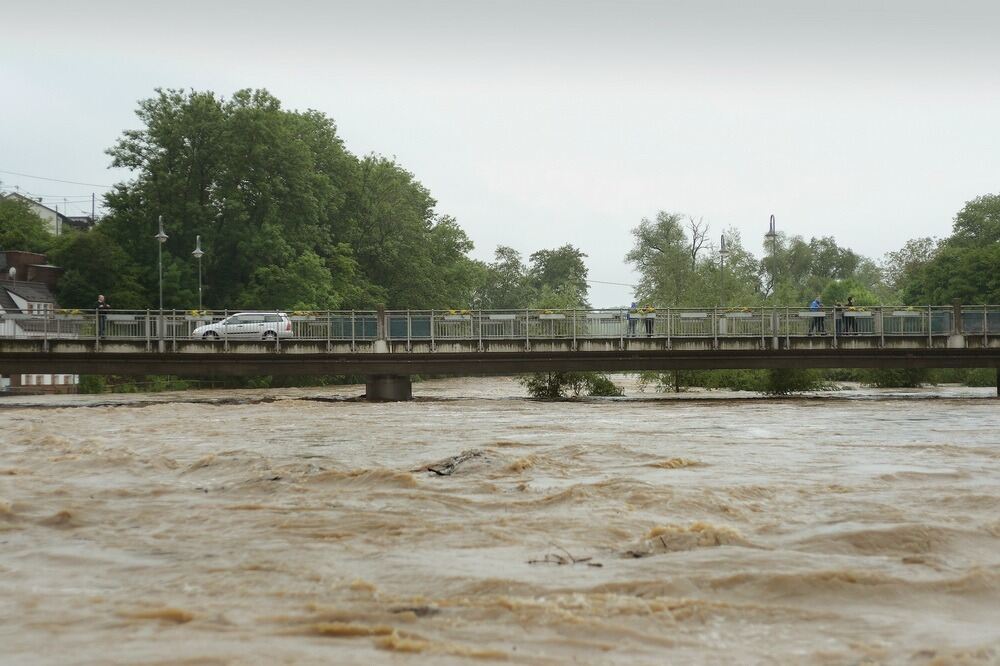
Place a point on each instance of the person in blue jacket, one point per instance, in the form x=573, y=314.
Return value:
x=817, y=323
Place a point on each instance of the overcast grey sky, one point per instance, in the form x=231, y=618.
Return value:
x=541, y=123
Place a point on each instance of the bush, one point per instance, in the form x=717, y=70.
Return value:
x=552, y=385
x=91, y=384
x=783, y=381
x=600, y=385
x=735, y=380
x=895, y=377
x=966, y=376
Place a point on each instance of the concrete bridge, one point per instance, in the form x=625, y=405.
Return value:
x=388, y=347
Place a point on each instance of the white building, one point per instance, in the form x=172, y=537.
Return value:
x=19, y=299
x=55, y=222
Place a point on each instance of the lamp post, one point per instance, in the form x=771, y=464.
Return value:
x=772, y=235
x=161, y=238
x=723, y=253
x=198, y=254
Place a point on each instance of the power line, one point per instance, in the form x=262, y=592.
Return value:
x=55, y=180
x=17, y=190
x=617, y=284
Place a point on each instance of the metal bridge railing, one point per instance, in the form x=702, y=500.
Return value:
x=479, y=325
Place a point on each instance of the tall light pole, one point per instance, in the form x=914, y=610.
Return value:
x=723, y=253
x=198, y=254
x=162, y=238
x=772, y=235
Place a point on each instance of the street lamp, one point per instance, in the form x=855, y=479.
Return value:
x=162, y=238
x=198, y=254
x=723, y=253
x=772, y=236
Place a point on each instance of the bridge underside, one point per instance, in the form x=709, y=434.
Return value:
x=494, y=363
x=388, y=365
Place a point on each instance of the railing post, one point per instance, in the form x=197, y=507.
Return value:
x=985, y=327
x=45, y=330
x=329, y=331
x=527, y=332
x=225, y=332
x=775, y=327
x=930, y=328
x=834, y=326
x=669, y=329
x=148, y=343
x=881, y=325
x=173, y=329
x=762, y=328
x=715, y=326
x=621, y=330
x=480, y=329
x=788, y=335
x=433, y=346
x=408, y=331
x=160, y=343
x=574, y=329
x=352, y=330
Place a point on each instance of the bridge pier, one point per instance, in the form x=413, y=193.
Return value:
x=388, y=388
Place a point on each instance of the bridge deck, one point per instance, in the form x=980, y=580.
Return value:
x=463, y=342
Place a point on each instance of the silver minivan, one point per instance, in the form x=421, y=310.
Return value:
x=247, y=326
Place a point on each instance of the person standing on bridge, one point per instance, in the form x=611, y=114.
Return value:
x=817, y=323
x=632, y=316
x=102, y=308
x=850, y=323
x=648, y=319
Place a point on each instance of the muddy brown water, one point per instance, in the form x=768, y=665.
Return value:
x=210, y=528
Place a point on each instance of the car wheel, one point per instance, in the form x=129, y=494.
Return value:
x=210, y=335
x=270, y=335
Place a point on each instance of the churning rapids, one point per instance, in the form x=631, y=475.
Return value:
x=278, y=527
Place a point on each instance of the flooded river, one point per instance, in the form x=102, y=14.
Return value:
x=292, y=526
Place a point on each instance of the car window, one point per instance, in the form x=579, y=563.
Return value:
x=235, y=319
x=253, y=319
x=274, y=318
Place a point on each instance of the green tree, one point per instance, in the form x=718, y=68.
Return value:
x=969, y=274
x=504, y=283
x=966, y=265
x=978, y=223
x=661, y=255
x=561, y=275
x=899, y=266
x=21, y=229
x=280, y=204
x=838, y=291
x=95, y=264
